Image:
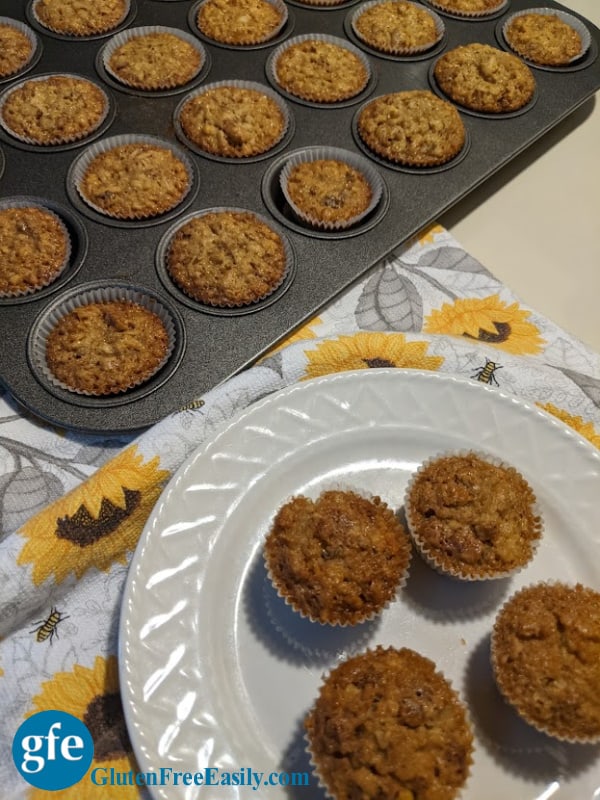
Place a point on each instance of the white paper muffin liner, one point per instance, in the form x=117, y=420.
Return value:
x=366, y=617
x=470, y=14
x=216, y=210
x=135, y=33
x=353, y=160
x=79, y=35
x=26, y=31
x=98, y=295
x=493, y=660
x=279, y=5
x=568, y=19
x=81, y=165
x=321, y=3
x=430, y=557
x=59, y=139
x=254, y=86
x=6, y=204
x=313, y=758
x=398, y=51
x=271, y=66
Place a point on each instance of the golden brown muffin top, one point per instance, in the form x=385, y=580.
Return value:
x=338, y=559
x=544, y=39
x=320, y=71
x=233, y=121
x=239, y=22
x=15, y=50
x=387, y=725
x=468, y=6
x=546, y=656
x=134, y=181
x=33, y=249
x=106, y=347
x=54, y=110
x=485, y=78
x=226, y=258
x=395, y=26
x=472, y=516
x=327, y=190
x=80, y=17
x=413, y=127
x=157, y=60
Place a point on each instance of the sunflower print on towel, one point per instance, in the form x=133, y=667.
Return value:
x=488, y=320
x=97, y=523
x=91, y=695
x=367, y=351
x=585, y=429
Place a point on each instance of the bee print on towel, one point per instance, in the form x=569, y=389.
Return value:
x=47, y=628
x=486, y=374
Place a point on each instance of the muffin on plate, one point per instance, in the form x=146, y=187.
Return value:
x=234, y=121
x=227, y=258
x=154, y=60
x=105, y=348
x=546, y=659
x=387, y=724
x=136, y=180
x=241, y=22
x=320, y=70
x=397, y=27
x=54, y=110
x=339, y=559
x=484, y=78
x=472, y=517
x=34, y=249
x=16, y=49
x=80, y=17
x=415, y=128
x=545, y=39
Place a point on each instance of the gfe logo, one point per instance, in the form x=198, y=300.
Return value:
x=53, y=750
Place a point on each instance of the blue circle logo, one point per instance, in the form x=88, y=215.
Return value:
x=53, y=750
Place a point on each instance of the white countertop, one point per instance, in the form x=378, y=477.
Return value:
x=536, y=224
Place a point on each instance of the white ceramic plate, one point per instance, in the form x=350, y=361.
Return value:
x=217, y=671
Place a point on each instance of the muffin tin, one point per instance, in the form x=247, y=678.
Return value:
x=213, y=346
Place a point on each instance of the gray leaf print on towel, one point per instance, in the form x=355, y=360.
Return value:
x=450, y=258
x=389, y=302
x=590, y=386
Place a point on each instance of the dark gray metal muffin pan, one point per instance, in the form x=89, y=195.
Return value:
x=215, y=346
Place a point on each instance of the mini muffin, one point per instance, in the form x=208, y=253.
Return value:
x=135, y=181
x=240, y=22
x=546, y=659
x=155, y=60
x=53, y=110
x=233, y=121
x=104, y=348
x=414, y=127
x=469, y=7
x=338, y=559
x=543, y=38
x=328, y=191
x=15, y=50
x=483, y=78
x=34, y=248
x=396, y=26
x=80, y=17
x=387, y=724
x=320, y=71
x=227, y=258
x=471, y=517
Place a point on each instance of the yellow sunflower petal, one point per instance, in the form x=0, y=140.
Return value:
x=586, y=429
x=97, y=523
x=369, y=350
x=304, y=333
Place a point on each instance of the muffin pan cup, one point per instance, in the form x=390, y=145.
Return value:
x=455, y=572
x=471, y=16
x=569, y=19
x=36, y=48
x=398, y=51
x=279, y=32
x=224, y=341
x=126, y=18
